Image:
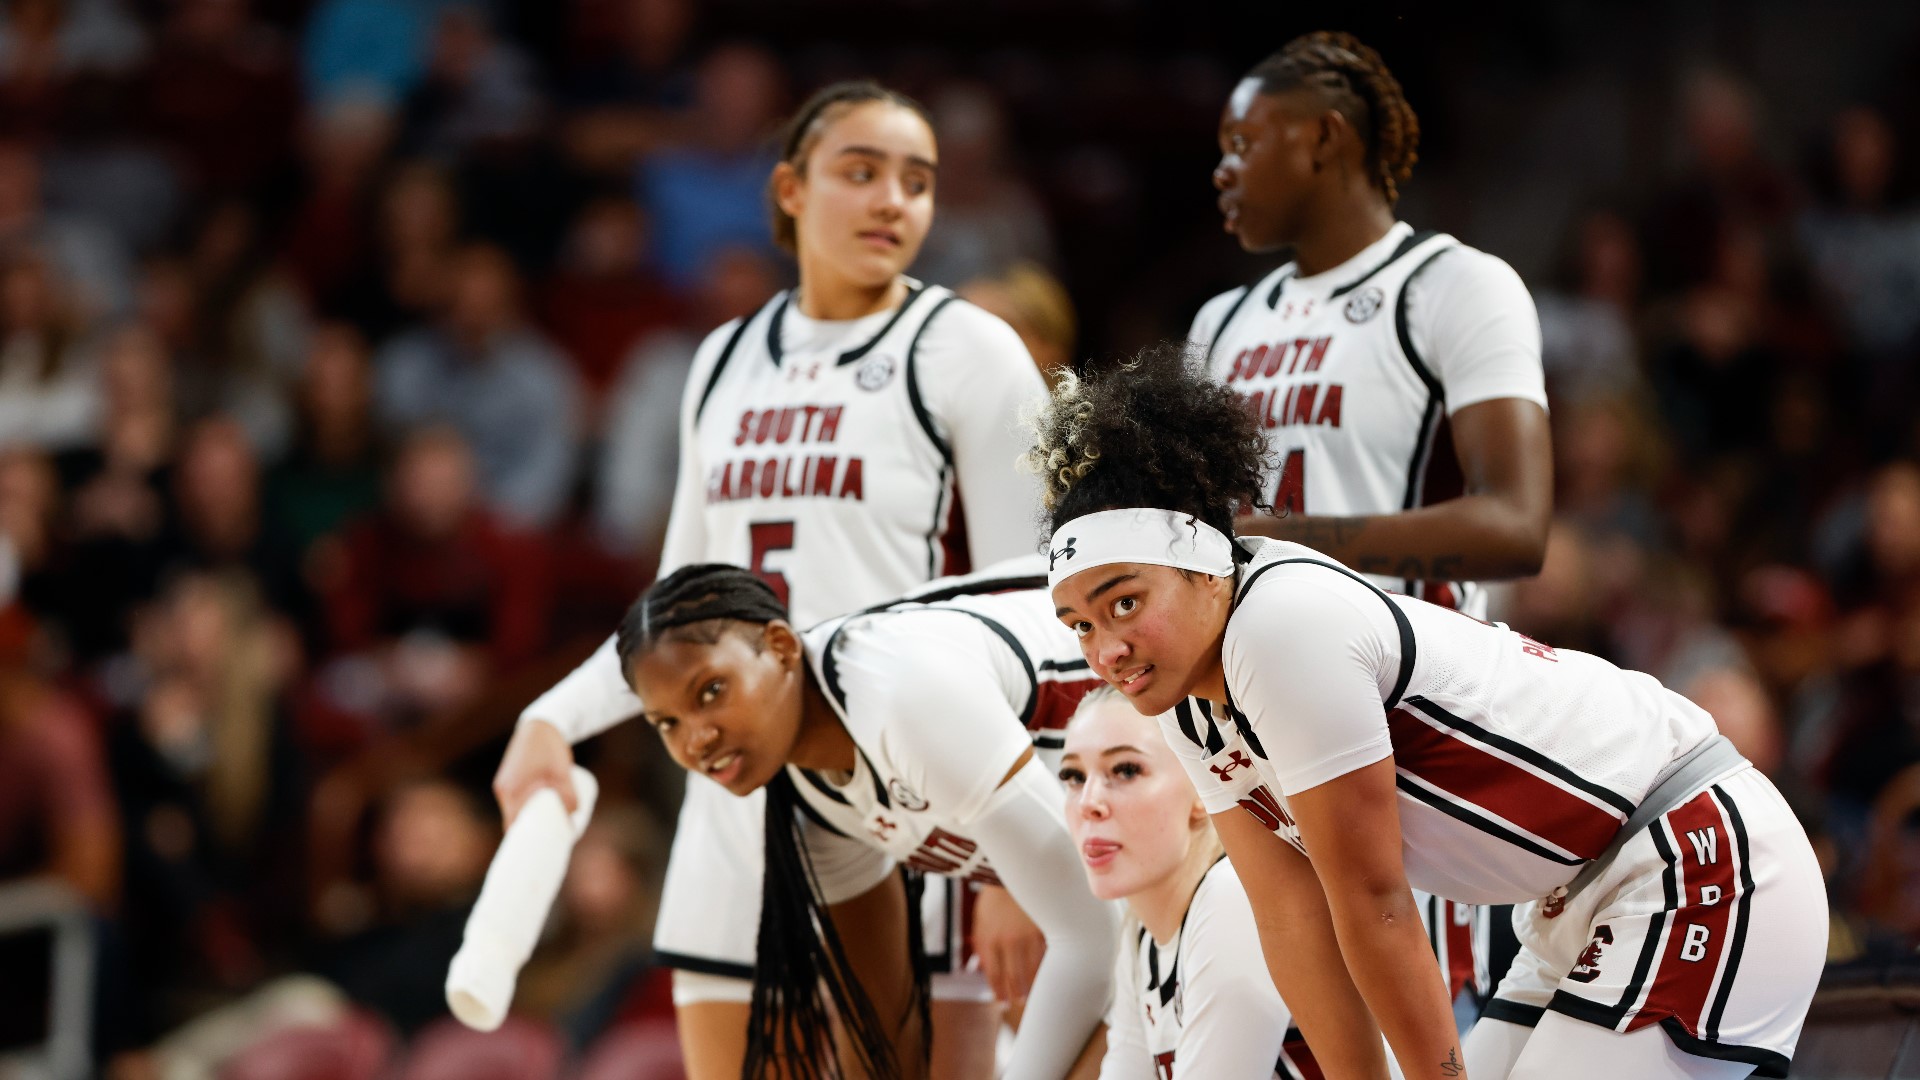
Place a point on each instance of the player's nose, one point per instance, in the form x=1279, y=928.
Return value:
x=1110, y=650
x=1224, y=175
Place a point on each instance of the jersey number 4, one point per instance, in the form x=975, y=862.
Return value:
x=1291, y=497
x=767, y=536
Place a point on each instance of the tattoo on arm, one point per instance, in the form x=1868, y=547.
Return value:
x=1321, y=532
x=1452, y=1066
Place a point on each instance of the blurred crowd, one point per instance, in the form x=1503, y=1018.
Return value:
x=341, y=344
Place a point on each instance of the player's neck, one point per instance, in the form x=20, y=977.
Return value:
x=1162, y=906
x=831, y=298
x=823, y=743
x=1340, y=234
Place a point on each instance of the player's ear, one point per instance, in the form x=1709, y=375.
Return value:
x=789, y=189
x=778, y=637
x=1332, y=135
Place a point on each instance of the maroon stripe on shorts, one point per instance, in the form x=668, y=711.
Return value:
x=1471, y=774
x=1683, y=981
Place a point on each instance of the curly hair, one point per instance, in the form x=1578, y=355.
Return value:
x=1353, y=79
x=1156, y=431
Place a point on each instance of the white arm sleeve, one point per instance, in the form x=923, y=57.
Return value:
x=1233, y=1021
x=1310, y=661
x=1023, y=831
x=594, y=696
x=979, y=382
x=1127, y=1056
x=1473, y=322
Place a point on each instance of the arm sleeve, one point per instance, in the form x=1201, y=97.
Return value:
x=1473, y=322
x=980, y=383
x=1306, y=663
x=1234, y=1021
x=595, y=696
x=1023, y=831
x=1127, y=1056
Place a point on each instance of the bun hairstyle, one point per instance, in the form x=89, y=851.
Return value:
x=1352, y=79
x=803, y=131
x=1156, y=431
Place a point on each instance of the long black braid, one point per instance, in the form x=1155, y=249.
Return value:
x=803, y=981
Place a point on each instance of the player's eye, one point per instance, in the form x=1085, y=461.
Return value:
x=1125, y=605
x=661, y=724
x=860, y=174
x=1127, y=770
x=1237, y=143
x=918, y=185
x=1072, y=778
x=711, y=691
x=1082, y=627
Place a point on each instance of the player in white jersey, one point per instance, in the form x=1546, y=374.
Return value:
x=900, y=735
x=1191, y=997
x=852, y=439
x=1377, y=742
x=1396, y=371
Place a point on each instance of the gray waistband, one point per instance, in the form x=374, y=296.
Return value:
x=1713, y=757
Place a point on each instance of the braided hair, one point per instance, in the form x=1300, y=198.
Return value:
x=802, y=979
x=797, y=139
x=1352, y=79
x=1155, y=431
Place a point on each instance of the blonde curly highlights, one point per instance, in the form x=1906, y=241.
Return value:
x=1064, y=447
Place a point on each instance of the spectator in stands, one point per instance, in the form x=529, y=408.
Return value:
x=221, y=92
x=417, y=230
x=46, y=46
x=49, y=373
x=103, y=169
x=433, y=596
x=57, y=809
x=478, y=89
x=377, y=47
x=217, y=520
x=507, y=390
x=332, y=474
x=344, y=142
x=990, y=218
x=1588, y=341
x=710, y=193
x=603, y=299
x=90, y=259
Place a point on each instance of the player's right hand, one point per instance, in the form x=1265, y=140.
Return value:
x=537, y=756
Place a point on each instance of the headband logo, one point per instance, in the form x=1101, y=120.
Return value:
x=1054, y=557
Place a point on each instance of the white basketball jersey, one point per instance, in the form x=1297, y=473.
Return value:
x=1014, y=642
x=824, y=471
x=1357, y=417
x=1516, y=762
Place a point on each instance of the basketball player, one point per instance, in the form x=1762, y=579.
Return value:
x=1352, y=743
x=1396, y=371
x=900, y=735
x=853, y=438
x=1191, y=998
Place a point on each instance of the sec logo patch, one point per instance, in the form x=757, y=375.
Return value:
x=1362, y=305
x=874, y=372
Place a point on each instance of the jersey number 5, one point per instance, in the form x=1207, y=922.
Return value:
x=769, y=536
x=1291, y=497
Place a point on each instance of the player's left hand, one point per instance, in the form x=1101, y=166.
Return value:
x=1008, y=944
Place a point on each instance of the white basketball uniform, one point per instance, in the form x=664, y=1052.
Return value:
x=941, y=701
x=845, y=462
x=1354, y=371
x=1202, y=1005
x=1516, y=764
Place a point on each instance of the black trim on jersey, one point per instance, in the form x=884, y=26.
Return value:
x=807, y=808
x=720, y=365
x=777, y=354
x=1408, y=646
x=1491, y=828
x=1524, y=753
x=1047, y=740
x=948, y=488
x=1221, y=330
x=981, y=587
x=1765, y=1062
x=700, y=965
x=1240, y=724
x=1213, y=743
x=1742, y=912
x=851, y=355
x=1273, y=297
x=879, y=789
x=1413, y=240
x=1436, y=398
x=1020, y=653
x=830, y=666
x=823, y=786
x=1513, y=1012
x=1065, y=665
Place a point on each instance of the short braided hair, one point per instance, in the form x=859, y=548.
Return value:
x=1355, y=81
x=694, y=603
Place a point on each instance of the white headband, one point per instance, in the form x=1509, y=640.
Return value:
x=1137, y=535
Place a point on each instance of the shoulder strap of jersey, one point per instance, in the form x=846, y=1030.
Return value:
x=914, y=396
x=1413, y=240
x=829, y=660
x=1436, y=392
x=1246, y=292
x=915, y=295
x=726, y=353
x=1407, y=642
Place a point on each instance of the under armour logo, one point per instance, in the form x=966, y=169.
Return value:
x=1053, y=557
x=1235, y=760
x=881, y=828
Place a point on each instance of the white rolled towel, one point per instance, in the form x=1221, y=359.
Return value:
x=506, y=921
